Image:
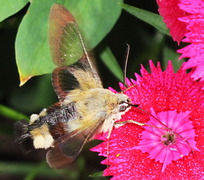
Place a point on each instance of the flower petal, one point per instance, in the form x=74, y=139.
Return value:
x=195, y=36
x=170, y=11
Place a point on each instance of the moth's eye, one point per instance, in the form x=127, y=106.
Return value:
x=123, y=106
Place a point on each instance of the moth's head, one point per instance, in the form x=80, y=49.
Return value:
x=118, y=105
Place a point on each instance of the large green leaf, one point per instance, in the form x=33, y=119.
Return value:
x=10, y=7
x=95, y=18
x=151, y=18
x=32, y=53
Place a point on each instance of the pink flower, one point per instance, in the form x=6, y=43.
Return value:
x=173, y=148
x=194, y=36
x=170, y=11
x=186, y=18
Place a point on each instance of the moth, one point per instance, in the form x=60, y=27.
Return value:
x=84, y=106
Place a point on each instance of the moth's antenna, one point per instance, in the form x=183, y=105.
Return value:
x=125, y=65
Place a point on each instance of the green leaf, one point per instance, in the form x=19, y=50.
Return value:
x=109, y=60
x=97, y=174
x=96, y=19
x=10, y=7
x=171, y=54
x=32, y=53
x=151, y=18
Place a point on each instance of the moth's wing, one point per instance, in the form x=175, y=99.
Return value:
x=64, y=81
x=68, y=147
x=67, y=48
x=63, y=38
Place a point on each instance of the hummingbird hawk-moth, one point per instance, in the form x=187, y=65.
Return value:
x=84, y=106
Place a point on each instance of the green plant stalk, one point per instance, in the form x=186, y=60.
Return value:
x=12, y=114
x=109, y=60
x=153, y=19
x=26, y=168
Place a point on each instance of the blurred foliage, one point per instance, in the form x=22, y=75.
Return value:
x=107, y=28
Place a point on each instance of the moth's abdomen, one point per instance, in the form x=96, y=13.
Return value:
x=59, y=118
x=46, y=127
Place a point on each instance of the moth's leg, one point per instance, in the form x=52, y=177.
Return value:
x=108, y=138
x=121, y=123
x=130, y=121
